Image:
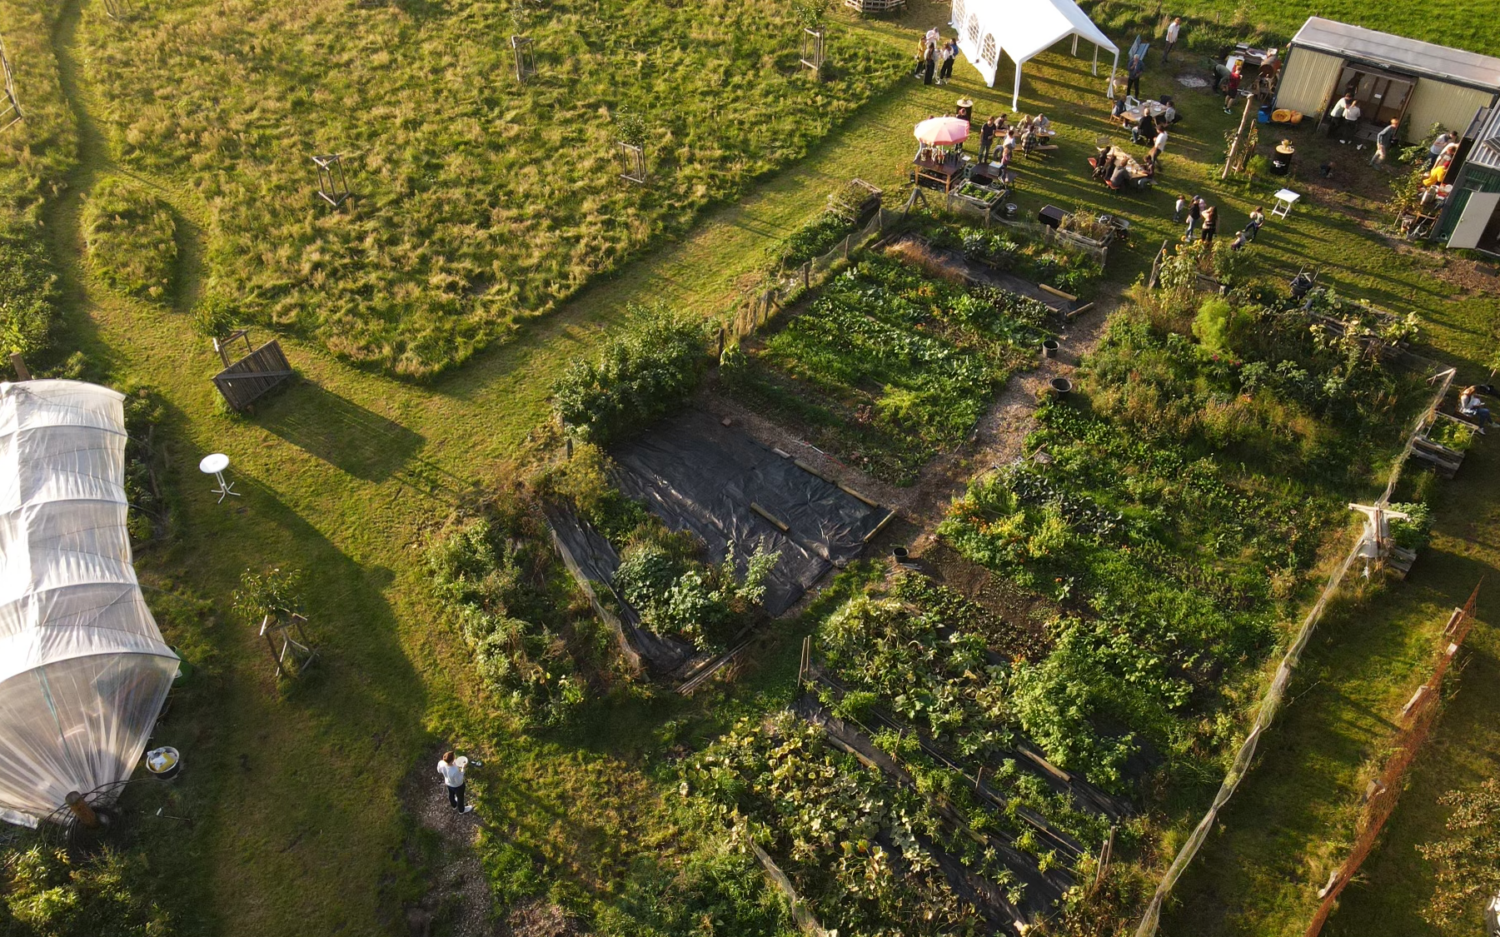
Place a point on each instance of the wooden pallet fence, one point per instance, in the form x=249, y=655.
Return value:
x=253, y=376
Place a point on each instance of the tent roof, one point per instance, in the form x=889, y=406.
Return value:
x=1409, y=55
x=1036, y=26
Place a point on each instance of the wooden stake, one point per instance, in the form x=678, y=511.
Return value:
x=19, y=363
x=1239, y=136
x=82, y=810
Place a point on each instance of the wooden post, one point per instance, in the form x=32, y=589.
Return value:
x=17, y=362
x=807, y=275
x=1239, y=136
x=82, y=810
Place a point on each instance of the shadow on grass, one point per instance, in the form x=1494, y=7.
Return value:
x=341, y=432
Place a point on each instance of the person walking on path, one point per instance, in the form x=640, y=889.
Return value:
x=1210, y=226
x=1179, y=209
x=1133, y=84
x=1174, y=29
x=1384, y=140
x=931, y=63
x=453, y=779
x=950, y=52
x=1195, y=212
x=1257, y=218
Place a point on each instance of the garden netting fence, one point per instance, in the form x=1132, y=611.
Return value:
x=1271, y=702
x=757, y=305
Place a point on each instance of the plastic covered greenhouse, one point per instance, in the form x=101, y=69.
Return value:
x=83, y=668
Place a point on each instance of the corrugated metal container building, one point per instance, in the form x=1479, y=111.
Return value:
x=1471, y=216
x=1390, y=76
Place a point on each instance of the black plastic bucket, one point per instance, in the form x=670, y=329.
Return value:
x=1061, y=386
x=1049, y=348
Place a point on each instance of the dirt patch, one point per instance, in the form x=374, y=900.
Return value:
x=539, y=919
x=458, y=899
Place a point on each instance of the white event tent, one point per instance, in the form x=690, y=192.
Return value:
x=83, y=668
x=1021, y=29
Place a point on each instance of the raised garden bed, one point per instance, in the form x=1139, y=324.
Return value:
x=888, y=365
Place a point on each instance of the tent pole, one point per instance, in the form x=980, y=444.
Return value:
x=1096, y=61
x=1015, y=102
x=1075, y=45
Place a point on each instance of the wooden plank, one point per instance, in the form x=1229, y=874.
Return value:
x=1056, y=292
x=775, y=521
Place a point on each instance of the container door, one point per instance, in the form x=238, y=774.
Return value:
x=1476, y=218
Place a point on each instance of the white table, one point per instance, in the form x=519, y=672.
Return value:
x=1285, y=199
x=214, y=464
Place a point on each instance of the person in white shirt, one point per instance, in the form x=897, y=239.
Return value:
x=1352, y=114
x=1174, y=29
x=1160, y=145
x=453, y=779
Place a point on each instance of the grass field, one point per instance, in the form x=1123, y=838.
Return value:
x=479, y=201
x=298, y=821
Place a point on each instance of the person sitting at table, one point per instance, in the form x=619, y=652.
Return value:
x=1117, y=112
x=1100, y=160
x=1148, y=166
x=1145, y=127
x=1169, y=113
x=1041, y=126
x=1120, y=178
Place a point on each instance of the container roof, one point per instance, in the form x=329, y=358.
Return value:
x=1409, y=55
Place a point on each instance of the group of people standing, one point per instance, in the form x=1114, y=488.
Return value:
x=1203, y=222
x=932, y=50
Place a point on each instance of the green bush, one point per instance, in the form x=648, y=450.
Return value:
x=28, y=293
x=1415, y=531
x=641, y=375
x=813, y=239
x=1218, y=324
x=46, y=893
x=705, y=605
x=131, y=239
x=510, y=601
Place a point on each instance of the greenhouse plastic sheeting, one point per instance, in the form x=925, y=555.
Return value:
x=699, y=475
x=83, y=668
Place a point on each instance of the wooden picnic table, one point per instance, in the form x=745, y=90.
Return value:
x=944, y=172
x=1132, y=165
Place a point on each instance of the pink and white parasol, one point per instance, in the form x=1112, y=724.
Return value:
x=942, y=131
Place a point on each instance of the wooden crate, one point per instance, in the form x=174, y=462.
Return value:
x=245, y=381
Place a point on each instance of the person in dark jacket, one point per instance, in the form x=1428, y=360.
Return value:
x=986, y=139
x=1137, y=68
x=931, y=58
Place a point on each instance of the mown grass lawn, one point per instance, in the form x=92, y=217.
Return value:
x=298, y=822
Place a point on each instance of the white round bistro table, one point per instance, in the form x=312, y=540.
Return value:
x=214, y=464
